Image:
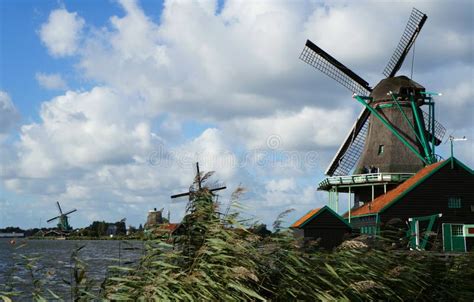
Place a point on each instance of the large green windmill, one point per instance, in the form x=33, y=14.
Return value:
x=63, y=223
x=392, y=133
x=393, y=137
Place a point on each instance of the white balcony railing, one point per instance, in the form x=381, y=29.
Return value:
x=364, y=178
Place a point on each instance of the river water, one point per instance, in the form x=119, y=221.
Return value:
x=51, y=263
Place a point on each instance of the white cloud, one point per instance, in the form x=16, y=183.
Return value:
x=238, y=73
x=52, y=81
x=281, y=185
x=75, y=192
x=81, y=130
x=60, y=34
x=9, y=115
x=309, y=129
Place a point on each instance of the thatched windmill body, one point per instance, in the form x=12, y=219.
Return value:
x=392, y=137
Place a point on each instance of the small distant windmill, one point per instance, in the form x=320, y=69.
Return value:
x=199, y=179
x=63, y=223
x=201, y=210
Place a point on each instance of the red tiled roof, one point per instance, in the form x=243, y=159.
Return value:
x=305, y=218
x=170, y=226
x=380, y=202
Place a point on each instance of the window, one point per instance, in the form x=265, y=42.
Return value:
x=381, y=149
x=457, y=230
x=454, y=202
x=468, y=230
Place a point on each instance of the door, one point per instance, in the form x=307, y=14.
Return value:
x=453, y=238
x=447, y=238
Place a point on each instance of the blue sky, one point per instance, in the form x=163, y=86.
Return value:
x=24, y=55
x=106, y=105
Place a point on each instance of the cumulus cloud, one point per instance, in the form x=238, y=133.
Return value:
x=53, y=81
x=9, y=115
x=79, y=130
x=235, y=70
x=60, y=34
x=302, y=130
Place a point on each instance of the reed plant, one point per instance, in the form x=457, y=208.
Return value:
x=214, y=257
x=217, y=259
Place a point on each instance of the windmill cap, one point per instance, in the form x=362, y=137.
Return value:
x=400, y=85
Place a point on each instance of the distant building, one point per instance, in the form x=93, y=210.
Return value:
x=155, y=218
x=324, y=225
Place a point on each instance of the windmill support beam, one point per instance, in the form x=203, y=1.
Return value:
x=405, y=116
x=432, y=121
x=350, y=201
x=390, y=127
x=421, y=130
x=431, y=117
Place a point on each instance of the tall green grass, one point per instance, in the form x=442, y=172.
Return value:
x=213, y=257
x=217, y=259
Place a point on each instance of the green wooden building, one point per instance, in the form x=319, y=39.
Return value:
x=435, y=203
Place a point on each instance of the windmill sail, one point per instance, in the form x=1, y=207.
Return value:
x=72, y=211
x=350, y=151
x=413, y=28
x=59, y=208
x=439, y=129
x=321, y=60
x=49, y=220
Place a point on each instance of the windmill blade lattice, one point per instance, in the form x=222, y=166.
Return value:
x=321, y=60
x=413, y=28
x=351, y=150
x=439, y=129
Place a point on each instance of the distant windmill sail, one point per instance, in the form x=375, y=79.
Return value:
x=59, y=207
x=199, y=179
x=72, y=211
